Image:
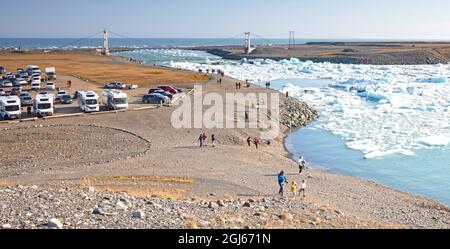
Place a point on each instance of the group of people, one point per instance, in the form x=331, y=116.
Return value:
x=295, y=188
x=267, y=85
x=203, y=140
x=238, y=85
x=255, y=141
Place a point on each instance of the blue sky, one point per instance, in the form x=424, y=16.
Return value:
x=339, y=19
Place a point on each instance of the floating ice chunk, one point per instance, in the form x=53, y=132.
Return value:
x=438, y=80
x=294, y=61
x=434, y=141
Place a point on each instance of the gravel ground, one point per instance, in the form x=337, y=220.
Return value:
x=35, y=207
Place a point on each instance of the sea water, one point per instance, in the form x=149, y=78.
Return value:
x=384, y=123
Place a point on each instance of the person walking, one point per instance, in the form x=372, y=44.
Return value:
x=205, y=137
x=301, y=164
x=29, y=111
x=281, y=181
x=303, y=188
x=213, y=139
x=200, y=140
x=249, y=141
x=256, y=142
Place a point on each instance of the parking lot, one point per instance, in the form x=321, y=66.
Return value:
x=61, y=83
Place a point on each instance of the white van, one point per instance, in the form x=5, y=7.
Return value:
x=32, y=69
x=43, y=105
x=35, y=85
x=88, y=101
x=115, y=100
x=10, y=107
x=51, y=73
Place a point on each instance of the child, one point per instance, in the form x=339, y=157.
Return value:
x=294, y=187
x=303, y=188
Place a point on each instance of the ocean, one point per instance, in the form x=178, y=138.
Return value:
x=389, y=124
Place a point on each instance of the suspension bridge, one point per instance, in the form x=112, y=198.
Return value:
x=247, y=45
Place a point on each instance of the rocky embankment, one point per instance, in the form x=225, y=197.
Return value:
x=42, y=208
x=295, y=113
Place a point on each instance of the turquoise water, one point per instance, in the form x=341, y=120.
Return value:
x=427, y=173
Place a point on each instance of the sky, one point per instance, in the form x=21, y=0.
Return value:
x=321, y=19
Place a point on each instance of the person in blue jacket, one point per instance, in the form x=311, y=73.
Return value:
x=281, y=181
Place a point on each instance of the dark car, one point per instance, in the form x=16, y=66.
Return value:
x=160, y=91
x=76, y=94
x=16, y=90
x=154, y=98
x=65, y=99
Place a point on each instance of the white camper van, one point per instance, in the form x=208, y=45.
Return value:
x=10, y=107
x=88, y=101
x=43, y=105
x=32, y=69
x=51, y=73
x=35, y=85
x=115, y=100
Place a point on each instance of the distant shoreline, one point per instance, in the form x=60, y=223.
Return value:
x=339, y=52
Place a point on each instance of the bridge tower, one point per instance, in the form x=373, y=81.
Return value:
x=105, y=43
x=248, y=46
x=291, y=39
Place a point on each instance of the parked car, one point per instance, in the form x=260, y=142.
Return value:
x=20, y=81
x=35, y=85
x=16, y=90
x=169, y=89
x=6, y=83
x=154, y=98
x=76, y=95
x=114, y=85
x=25, y=99
x=50, y=86
x=65, y=99
x=10, y=76
x=119, y=85
x=61, y=93
x=160, y=91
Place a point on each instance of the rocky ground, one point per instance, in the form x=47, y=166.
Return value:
x=36, y=207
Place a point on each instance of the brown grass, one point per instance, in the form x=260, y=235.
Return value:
x=126, y=185
x=5, y=183
x=100, y=69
